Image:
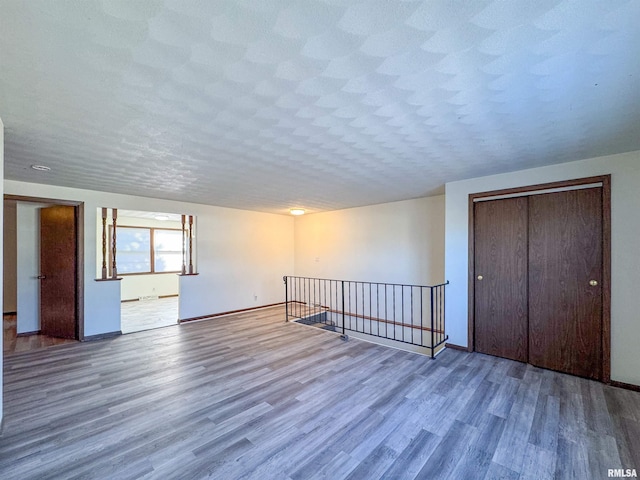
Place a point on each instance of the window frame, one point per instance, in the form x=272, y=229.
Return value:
x=152, y=252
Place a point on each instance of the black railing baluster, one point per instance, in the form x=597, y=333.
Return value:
x=370, y=310
x=441, y=326
x=364, y=310
x=402, y=303
x=300, y=296
x=386, y=316
x=350, y=315
x=378, y=306
x=411, y=314
x=421, y=316
x=394, y=312
x=344, y=325
x=286, y=299
x=337, y=298
x=324, y=300
x=330, y=304
x=355, y=300
x=432, y=327
x=437, y=314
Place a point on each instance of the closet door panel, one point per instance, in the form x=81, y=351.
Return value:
x=565, y=278
x=501, y=278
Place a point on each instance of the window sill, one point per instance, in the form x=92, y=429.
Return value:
x=147, y=273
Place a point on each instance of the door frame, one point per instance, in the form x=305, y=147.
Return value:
x=79, y=217
x=606, y=255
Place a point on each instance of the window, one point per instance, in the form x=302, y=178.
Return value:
x=143, y=250
x=167, y=249
x=133, y=250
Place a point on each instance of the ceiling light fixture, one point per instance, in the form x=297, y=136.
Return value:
x=41, y=168
x=162, y=218
x=297, y=211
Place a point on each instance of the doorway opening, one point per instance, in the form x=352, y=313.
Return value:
x=149, y=260
x=43, y=272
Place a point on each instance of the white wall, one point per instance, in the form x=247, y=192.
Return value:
x=1, y=240
x=625, y=171
x=160, y=284
x=399, y=242
x=242, y=257
x=9, y=292
x=240, y=254
x=28, y=266
x=135, y=286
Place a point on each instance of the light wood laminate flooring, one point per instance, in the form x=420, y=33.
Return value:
x=249, y=396
x=148, y=314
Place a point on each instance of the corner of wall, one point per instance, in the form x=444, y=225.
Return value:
x=1, y=265
x=625, y=171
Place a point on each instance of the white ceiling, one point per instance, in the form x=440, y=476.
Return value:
x=325, y=104
x=150, y=215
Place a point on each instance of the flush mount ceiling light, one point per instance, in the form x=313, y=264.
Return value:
x=297, y=211
x=41, y=168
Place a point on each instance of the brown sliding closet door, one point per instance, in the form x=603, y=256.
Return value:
x=501, y=278
x=565, y=281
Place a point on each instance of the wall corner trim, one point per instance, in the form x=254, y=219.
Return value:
x=453, y=346
x=102, y=336
x=626, y=386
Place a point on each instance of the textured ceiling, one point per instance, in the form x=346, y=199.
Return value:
x=325, y=104
x=150, y=215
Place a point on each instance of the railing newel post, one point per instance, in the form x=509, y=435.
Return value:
x=444, y=311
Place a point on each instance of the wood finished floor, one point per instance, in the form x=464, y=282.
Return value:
x=147, y=314
x=249, y=396
x=12, y=343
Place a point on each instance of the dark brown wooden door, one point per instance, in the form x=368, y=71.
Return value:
x=58, y=271
x=565, y=281
x=501, y=278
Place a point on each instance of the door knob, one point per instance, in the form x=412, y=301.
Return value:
x=41, y=277
x=593, y=283
x=480, y=277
